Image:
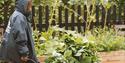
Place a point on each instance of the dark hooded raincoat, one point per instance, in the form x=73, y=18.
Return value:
x=17, y=40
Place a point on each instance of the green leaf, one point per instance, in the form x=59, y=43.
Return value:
x=86, y=59
x=78, y=54
x=108, y=5
x=67, y=53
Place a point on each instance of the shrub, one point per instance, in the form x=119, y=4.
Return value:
x=65, y=46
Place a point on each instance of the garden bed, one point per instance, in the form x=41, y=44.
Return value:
x=105, y=57
x=71, y=47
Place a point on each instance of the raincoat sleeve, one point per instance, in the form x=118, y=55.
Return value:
x=20, y=36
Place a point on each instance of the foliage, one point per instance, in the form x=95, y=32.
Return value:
x=1, y=13
x=5, y=5
x=65, y=46
x=75, y=2
x=106, y=39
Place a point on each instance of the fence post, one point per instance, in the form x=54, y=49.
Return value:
x=119, y=15
x=102, y=16
x=33, y=14
x=66, y=18
x=47, y=18
x=60, y=16
x=124, y=14
x=73, y=18
x=79, y=20
x=114, y=14
x=92, y=23
x=40, y=19
x=85, y=17
x=97, y=16
x=108, y=23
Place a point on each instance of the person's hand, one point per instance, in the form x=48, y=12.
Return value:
x=24, y=58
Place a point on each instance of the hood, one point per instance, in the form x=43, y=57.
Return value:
x=21, y=5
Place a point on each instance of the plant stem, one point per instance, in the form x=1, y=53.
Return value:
x=105, y=19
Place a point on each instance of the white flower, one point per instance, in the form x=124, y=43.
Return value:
x=70, y=32
x=55, y=54
x=56, y=28
x=42, y=38
x=62, y=44
x=85, y=40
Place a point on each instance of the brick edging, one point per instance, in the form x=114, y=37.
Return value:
x=112, y=57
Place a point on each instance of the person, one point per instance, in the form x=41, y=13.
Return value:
x=17, y=45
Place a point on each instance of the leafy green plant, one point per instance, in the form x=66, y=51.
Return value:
x=65, y=46
x=108, y=40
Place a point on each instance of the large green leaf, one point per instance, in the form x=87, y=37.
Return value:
x=67, y=53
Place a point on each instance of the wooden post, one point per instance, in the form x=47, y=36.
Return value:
x=85, y=17
x=66, y=18
x=97, y=16
x=47, y=17
x=119, y=15
x=73, y=18
x=79, y=20
x=92, y=23
x=108, y=23
x=102, y=16
x=114, y=15
x=124, y=14
x=60, y=16
x=33, y=15
x=40, y=19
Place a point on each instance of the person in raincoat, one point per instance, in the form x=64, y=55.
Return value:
x=18, y=45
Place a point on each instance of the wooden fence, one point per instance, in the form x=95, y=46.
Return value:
x=115, y=15
x=69, y=19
